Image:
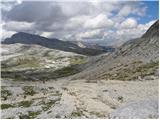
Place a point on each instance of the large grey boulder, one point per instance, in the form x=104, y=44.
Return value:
x=142, y=110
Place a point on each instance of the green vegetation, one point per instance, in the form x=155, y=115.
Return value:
x=113, y=107
x=28, y=62
x=91, y=81
x=59, y=58
x=72, y=93
x=58, y=116
x=6, y=106
x=99, y=115
x=48, y=104
x=4, y=66
x=25, y=103
x=66, y=71
x=28, y=90
x=49, y=112
x=148, y=68
x=14, y=75
x=17, y=63
x=10, y=118
x=18, y=77
x=120, y=98
x=22, y=116
x=46, y=53
x=77, y=113
x=134, y=71
x=77, y=60
x=33, y=114
x=44, y=74
x=30, y=115
x=137, y=62
x=5, y=93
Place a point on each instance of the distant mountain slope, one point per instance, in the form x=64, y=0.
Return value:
x=34, y=62
x=146, y=46
x=26, y=38
x=94, y=46
x=135, y=59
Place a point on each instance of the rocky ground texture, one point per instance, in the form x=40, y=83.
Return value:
x=80, y=99
x=40, y=82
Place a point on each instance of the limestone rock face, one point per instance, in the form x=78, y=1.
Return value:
x=142, y=110
x=136, y=57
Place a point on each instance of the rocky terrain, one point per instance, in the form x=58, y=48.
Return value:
x=34, y=62
x=135, y=60
x=41, y=82
x=79, y=99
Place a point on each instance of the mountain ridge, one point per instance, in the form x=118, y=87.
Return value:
x=135, y=59
x=26, y=38
x=93, y=45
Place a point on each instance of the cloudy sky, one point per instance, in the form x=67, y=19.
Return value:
x=106, y=21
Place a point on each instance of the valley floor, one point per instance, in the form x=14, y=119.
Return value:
x=80, y=99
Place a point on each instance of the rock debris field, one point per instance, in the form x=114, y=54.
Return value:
x=79, y=99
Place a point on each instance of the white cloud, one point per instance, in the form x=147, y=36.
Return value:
x=141, y=11
x=90, y=20
x=128, y=23
x=47, y=34
x=144, y=27
x=17, y=26
x=100, y=21
x=76, y=22
x=132, y=8
x=92, y=34
x=8, y=5
x=135, y=32
x=121, y=35
x=6, y=34
x=125, y=11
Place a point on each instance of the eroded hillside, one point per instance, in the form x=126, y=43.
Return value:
x=135, y=60
x=33, y=62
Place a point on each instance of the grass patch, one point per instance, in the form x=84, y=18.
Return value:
x=28, y=62
x=76, y=114
x=120, y=98
x=66, y=71
x=10, y=118
x=18, y=77
x=134, y=71
x=33, y=114
x=14, y=75
x=5, y=93
x=45, y=74
x=77, y=60
x=17, y=63
x=99, y=115
x=91, y=81
x=48, y=104
x=6, y=106
x=25, y=103
x=28, y=90
x=30, y=115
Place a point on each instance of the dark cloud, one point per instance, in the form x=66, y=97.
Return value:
x=35, y=11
